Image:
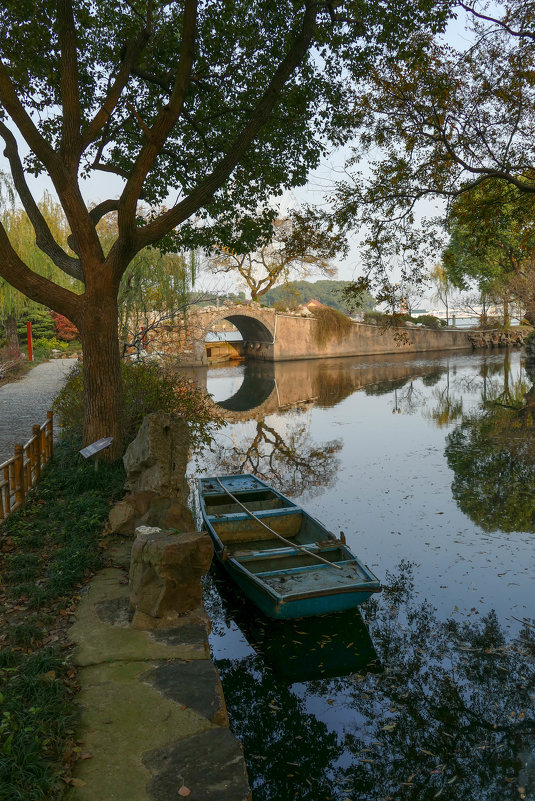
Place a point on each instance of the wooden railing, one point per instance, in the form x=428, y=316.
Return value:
x=20, y=473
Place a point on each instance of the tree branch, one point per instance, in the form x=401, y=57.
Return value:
x=37, y=143
x=35, y=286
x=132, y=52
x=204, y=192
x=162, y=126
x=43, y=236
x=70, y=137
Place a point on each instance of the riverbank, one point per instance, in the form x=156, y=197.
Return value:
x=154, y=725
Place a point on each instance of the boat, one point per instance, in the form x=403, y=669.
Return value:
x=283, y=559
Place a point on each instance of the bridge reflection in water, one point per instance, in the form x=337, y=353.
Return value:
x=270, y=386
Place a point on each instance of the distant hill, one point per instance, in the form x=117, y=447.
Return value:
x=327, y=292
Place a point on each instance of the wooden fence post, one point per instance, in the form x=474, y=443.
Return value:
x=36, y=449
x=50, y=432
x=18, y=463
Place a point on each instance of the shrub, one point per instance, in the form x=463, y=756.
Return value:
x=64, y=329
x=373, y=317
x=331, y=324
x=44, y=346
x=42, y=325
x=147, y=388
x=429, y=320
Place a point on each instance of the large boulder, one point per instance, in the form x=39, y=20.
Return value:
x=156, y=460
x=147, y=508
x=165, y=573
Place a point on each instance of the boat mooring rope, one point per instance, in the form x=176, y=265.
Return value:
x=279, y=536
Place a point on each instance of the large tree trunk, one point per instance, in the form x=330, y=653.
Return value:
x=13, y=341
x=103, y=395
x=530, y=312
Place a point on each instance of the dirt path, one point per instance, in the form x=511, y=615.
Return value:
x=25, y=402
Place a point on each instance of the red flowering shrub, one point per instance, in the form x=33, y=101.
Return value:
x=63, y=328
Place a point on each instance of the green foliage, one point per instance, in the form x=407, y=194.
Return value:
x=54, y=547
x=37, y=721
x=148, y=387
x=382, y=318
x=43, y=347
x=429, y=320
x=330, y=325
x=454, y=121
x=42, y=324
x=327, y=292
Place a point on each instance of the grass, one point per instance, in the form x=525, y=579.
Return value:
x=48, y=550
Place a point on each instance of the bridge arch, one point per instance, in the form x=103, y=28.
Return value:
x=256, y=326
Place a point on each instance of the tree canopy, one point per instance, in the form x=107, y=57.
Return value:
x=492, y=242
x=203, y=110
x=438, y=126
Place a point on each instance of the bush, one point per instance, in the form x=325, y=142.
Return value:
x=147, y=388
x=380, y=318
x=64, y=329
x=42, y=325
x=429, y=320
x=43, y=347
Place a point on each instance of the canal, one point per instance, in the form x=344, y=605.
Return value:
x=427, y=464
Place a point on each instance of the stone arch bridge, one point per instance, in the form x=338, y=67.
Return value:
x=270, y=335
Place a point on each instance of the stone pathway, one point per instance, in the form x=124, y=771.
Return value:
x=154, y=721
x=25, y=402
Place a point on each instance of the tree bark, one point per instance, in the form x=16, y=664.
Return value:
x=103, y=395
x=530, y=312
x=13, y=341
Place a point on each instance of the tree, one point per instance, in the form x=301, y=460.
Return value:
x=492, y=242
x=443, y=287
x=294, y=247
x=446, y=123
x=14, y=305
x=222, y=106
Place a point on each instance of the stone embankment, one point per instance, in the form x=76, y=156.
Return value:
x=496, y=339
x=154, y=720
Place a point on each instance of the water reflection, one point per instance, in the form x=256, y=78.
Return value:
x=434, y=697
x=492, y=455
x=450, y=714
x=284, y=455
x=297, y=651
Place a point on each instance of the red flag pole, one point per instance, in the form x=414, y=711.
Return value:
x=30, y=343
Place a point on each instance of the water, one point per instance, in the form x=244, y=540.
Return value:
x=428, y=466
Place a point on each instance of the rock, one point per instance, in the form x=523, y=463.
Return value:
x=166, y=571
x=156, y=460
x=168, y=513
x=129, y=513
x=122, y=518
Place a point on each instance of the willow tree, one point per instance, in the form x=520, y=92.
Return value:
x=15, y=305
x=203, y=109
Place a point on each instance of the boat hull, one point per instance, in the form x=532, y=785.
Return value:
x=285, y=561
x=290, y=609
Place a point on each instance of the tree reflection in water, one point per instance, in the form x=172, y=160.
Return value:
x=450, y=716
x=288, y=460
x=492, y=455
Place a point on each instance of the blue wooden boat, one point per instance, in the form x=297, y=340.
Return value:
x=283, y=559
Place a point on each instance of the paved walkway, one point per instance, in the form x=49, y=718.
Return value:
x=153, y=716
x=25, y=402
